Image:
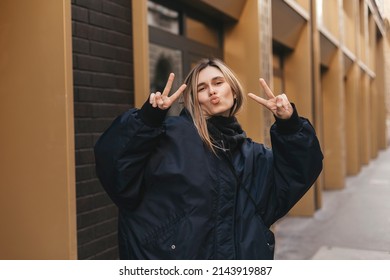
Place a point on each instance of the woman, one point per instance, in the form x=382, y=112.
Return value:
x=194, y=186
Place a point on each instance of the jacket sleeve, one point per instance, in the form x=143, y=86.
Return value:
x=297, y=161
x=122, y=151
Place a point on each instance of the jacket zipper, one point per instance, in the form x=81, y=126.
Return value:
x=231, y=166
x=234, y=217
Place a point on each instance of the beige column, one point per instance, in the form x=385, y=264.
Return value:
x=374, y=118
x=382, y=92
x=352, y=126
x=299, y=88
x=372, y=34
x=140, y=52
x=248, y=51
x=334, y=128
x=317, y=94
x=37, y=168
x=350, y=20
x=365, y=130
x=299, y=85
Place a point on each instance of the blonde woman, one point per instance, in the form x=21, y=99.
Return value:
x=194, y=186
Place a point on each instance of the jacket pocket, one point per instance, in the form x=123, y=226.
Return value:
x=162, y=239
x=269, y=238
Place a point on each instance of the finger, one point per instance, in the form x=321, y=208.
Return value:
x=168, y=85
x=151, y=97
x=266, y=88
x=279, y=101
x=282, y=102
x=154, y=100
x=280, y=108
x=283, y=107
x=177, y=93
x=258, y=99
x=287, y=104
x=158, y=99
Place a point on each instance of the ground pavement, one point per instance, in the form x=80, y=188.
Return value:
x=354, y=223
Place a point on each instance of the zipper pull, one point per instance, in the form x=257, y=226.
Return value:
x=223, y=146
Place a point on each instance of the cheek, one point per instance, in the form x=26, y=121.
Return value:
x=229, y=95
x=202, y=98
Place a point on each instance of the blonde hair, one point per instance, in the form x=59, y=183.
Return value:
x=190, y=95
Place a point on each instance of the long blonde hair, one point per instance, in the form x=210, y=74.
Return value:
x=190, y=95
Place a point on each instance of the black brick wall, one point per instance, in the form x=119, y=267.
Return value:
x=103, y=89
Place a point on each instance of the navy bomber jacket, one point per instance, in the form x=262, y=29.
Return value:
x=179, y=200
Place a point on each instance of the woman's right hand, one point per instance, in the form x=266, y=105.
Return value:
x=164, y=100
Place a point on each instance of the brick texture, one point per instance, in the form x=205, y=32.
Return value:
x=103, y=89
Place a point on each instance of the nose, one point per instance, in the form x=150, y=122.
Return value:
x=211, y=90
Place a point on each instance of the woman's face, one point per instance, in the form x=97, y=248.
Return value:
x=214, y=93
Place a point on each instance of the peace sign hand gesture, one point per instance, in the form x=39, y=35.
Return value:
x=278, y=105
x=162, y=100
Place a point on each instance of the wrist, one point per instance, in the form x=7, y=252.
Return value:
x=290, y=125
x=151, y=116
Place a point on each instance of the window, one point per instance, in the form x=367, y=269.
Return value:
x=178, y=38
x=163, y=18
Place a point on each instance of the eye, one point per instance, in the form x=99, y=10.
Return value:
x=201, y=89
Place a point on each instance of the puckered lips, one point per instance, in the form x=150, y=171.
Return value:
x=214, y=100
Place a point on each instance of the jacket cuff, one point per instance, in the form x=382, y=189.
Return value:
x=291, y=125
x=151, y=116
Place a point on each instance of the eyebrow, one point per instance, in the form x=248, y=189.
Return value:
x=213, y=79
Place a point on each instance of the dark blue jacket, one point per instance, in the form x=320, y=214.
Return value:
x=178, y=200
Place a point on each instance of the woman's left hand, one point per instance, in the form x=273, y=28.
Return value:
x=278, y=105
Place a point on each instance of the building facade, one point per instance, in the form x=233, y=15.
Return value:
x=69, y=67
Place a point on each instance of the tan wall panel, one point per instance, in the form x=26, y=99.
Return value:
x=386, y=75
x=140, y=52
x=365, y=129
x=299, y=83
x=37, y=201
x=334, y=128
x=241, y=52
x=317, y=95
x=330, y=18
x=373, y=119
x=299, y=90
x=363, y=27
x=352, y=125
x=350, y=24
x=372, y=34
x=382, y=93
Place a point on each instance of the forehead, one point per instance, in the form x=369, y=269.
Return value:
x=209, y=73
